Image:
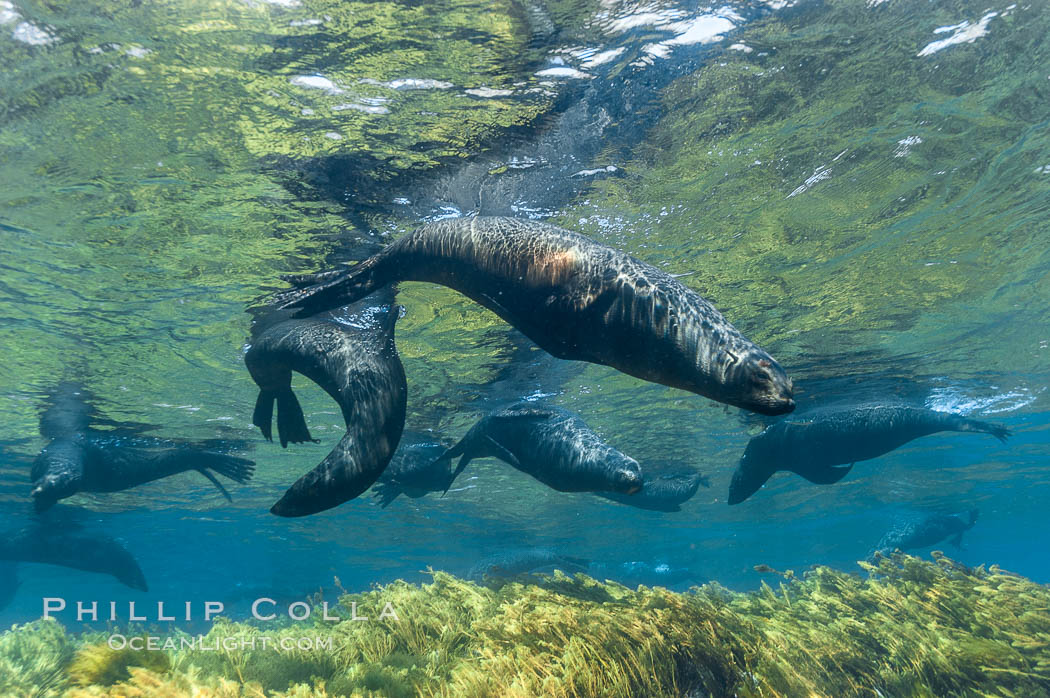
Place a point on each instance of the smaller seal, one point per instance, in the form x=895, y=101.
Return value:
x=351, y=355
x=661, y=492
x=414, y=471
x=515, y=563
x=924, y=532
x=52, y=545
x=822, y=445
x=551, y=444
x=83, y=459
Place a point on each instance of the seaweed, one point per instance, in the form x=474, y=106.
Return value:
x=908, y=627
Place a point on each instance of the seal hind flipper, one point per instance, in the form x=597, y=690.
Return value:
x=386, y=492
x=827, y=476
x=216, y=482
x=291, y=424
x=240, y=470
x=997, y=430
x=502, y=453
x=327, y=290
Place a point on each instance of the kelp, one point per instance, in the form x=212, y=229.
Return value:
x=908, y=627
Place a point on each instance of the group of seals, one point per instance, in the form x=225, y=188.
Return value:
x=822, y=445
x=575, y=297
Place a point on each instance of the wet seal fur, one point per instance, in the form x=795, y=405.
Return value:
x=415, y=471
x=82, y=459
x=351, y=355
x=823, y=445
x=576, y=298
x=56, y=545
x=661, y=492
x=930, y=530
x=552, y=445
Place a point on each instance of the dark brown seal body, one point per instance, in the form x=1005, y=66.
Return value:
x=352, y=356
x=551, y=444
x=80, y=458
x=823, y=445
x=576, y=298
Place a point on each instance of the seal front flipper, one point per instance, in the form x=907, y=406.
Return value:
x=386, y=492
x=215, y=482
x=956, y=540
x=748, y=479
x=827, y=476
x=503, y=454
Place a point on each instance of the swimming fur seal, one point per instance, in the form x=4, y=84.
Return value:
x=351, y=355
x=80, y=458
x=576, y=298
x=923, y=533
x=553, y=445
x=661, y=492
x=57, y=546
x=414, y=471
x=823, y=445
x=513, y=563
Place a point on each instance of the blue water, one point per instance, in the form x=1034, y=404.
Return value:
x=153, y=192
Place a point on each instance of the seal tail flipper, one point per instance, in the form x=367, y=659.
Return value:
x=997, y=430
x=216, y=482
x=829, y=475
x=291, y=424
x=328, y=290
x=386, y=492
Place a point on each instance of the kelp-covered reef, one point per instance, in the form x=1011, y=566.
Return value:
x=912, y=627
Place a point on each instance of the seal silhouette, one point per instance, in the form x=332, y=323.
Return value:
x=576, y=298
x=57, y=545
x=822, y=445
x=927, y=531
x=661, y=492
x=351, y=355
x=414, y=471
x=551, y=444
x=80, y=458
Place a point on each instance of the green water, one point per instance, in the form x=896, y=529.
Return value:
x=857, y=209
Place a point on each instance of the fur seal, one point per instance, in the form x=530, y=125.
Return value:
x=661, y=492
x=823, y=445
x=351, y=355
x=923, y=533
x=553, y=445
x=80, y=458
x=414, y=471
x=576, y=298
x=514, y=563
x=90, y=553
